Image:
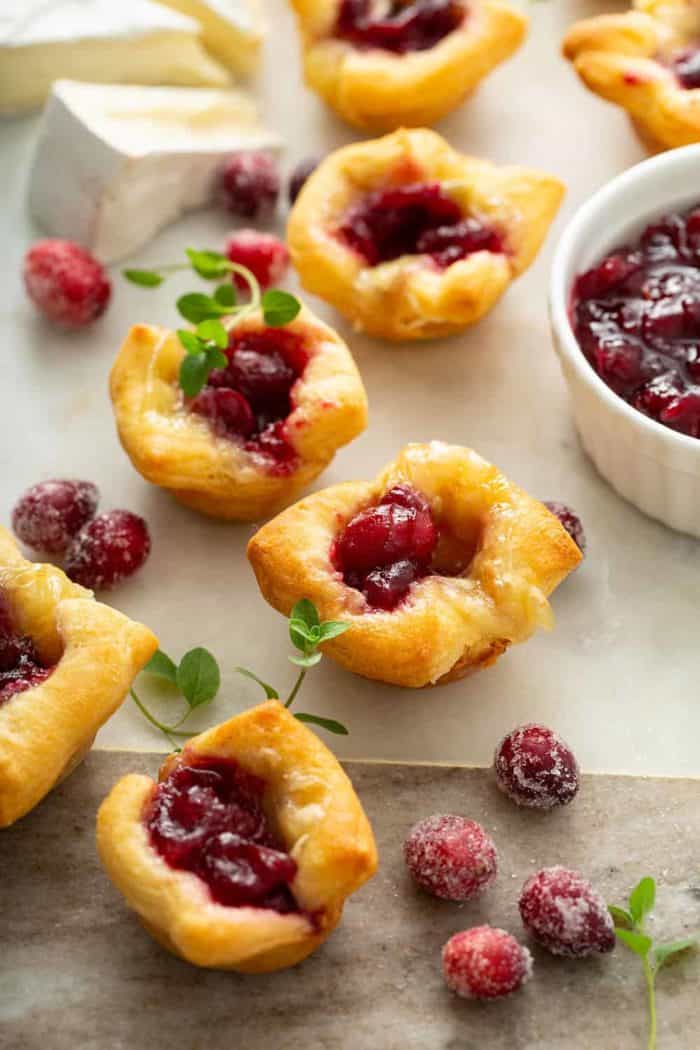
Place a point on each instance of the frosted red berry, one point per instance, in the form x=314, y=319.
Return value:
x=571, y=522
x=564, y=914
x=303, y=170
x=65, y=282
x=485, y=963
x=263, y=254
x=535, y=768
x=112, y=547
x=250, y=185
x=48, y=515
x=451, y=857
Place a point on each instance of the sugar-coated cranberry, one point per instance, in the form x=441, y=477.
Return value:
x=263, y=254
x=227, y=411
x=451, y=857
x=49, y=514
x=299, y=176
x=109, y=549
x=67, y=284
x=20, y=666
x=415, y=25
x=570, y=520
x=564, y=914
x=485, y=963
x=535, y=768
x=250, y=185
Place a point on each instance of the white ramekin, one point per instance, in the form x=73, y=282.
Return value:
x=655, y=468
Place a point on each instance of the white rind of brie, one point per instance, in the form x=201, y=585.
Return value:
x=106, y=41
x=115, y=164
x=232, y=30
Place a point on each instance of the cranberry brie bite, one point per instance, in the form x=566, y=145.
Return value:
x=242, y=855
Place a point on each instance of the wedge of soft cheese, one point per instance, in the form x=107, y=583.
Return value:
x=232, y=30
x=108, y=41
x=115, y=164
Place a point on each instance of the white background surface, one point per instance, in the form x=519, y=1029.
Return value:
x=617, y=677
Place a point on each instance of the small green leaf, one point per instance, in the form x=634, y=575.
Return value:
x=198, y=677
x=193, y=373
x=190, y=341
x=307, y=661
x=196, y=307
x=209, y=265
x=639, y=943
x=215, y=358
x=326, y=723
x=146, y=278
x=225, y=295
x=620, y=916
x=306, y=611
x=161, y=665
x=212, y=331
x=664, y=952
x=331, y=629
x=642, y=899
x=269, y=691
x=279, y=308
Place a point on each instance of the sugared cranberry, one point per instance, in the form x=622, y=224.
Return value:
x=112, y=547
x=485, y=963
x=49, y=514
x=416, y=25
x=451, y=857
x=228, y=411
x=570, y=520
x=66, y=283
x=299, y=176
x=686, y=66
x=250, y=185
x=564, y=914
x=263, y=254
x=536, y=768
x=20, y=666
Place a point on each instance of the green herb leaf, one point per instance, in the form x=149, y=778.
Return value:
x=225, y=295
x=146, y=278
x=209, y=265
x=309, y=660
x=196, y=307
x=198, y=677
x=301, y=635
x=194, y=371
x=269, y=691
x=331, y=629
x=326, y=723
x=190, y=341
x=305, y=611
x=212, y=331
x=639, y=943
x=642, y=899
x=279, y=308
x=215, y=358
x=620, y=916
x=162, y=666
x=664, y=952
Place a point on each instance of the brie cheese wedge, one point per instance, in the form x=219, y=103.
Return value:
x=114, y=164
x=108, y=41
x=232, y=30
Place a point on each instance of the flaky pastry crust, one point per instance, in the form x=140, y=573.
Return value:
x=621, y=58
x=409, y=298
x=377, y=90
x=311, y=804
x=178, y=451
x=46, y=730
x=448, y=626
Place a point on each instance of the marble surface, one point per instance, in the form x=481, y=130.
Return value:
x=78, y=969
x=616, y=676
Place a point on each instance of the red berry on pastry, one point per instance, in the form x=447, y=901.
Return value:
x=564, y=914
x=228, y=412
x=686, y=66
x=20, y=666
x=299, y=176
x=414, y=26
x=48, y=515
x=451, y=857
x=111, y=548
x=571, y=522
x=263, y=254
x=485, y=963
x=535, y=768
x=66, y=283
x=250, y=185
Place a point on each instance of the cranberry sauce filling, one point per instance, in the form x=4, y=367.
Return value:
x=686, y=66
x=386, y=548
x=249, y=400
x=20, y=666
x=398, y=25
x=416, y=219
x=636, y=316
x=208, y=819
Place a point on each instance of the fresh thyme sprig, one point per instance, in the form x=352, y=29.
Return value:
x=212, y=314
x=198, y=678
x=631, y=931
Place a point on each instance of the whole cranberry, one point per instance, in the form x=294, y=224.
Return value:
x=535, y=768
x=227, y=411
x=112, y=547
x=263, y=254
x=67, y=284
x=570, y=520
x=392, y=531
x=299, y=176
x=250, y=185
x=485, y=963
x=48, y=515
x=451, y=857
x=564, y=914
